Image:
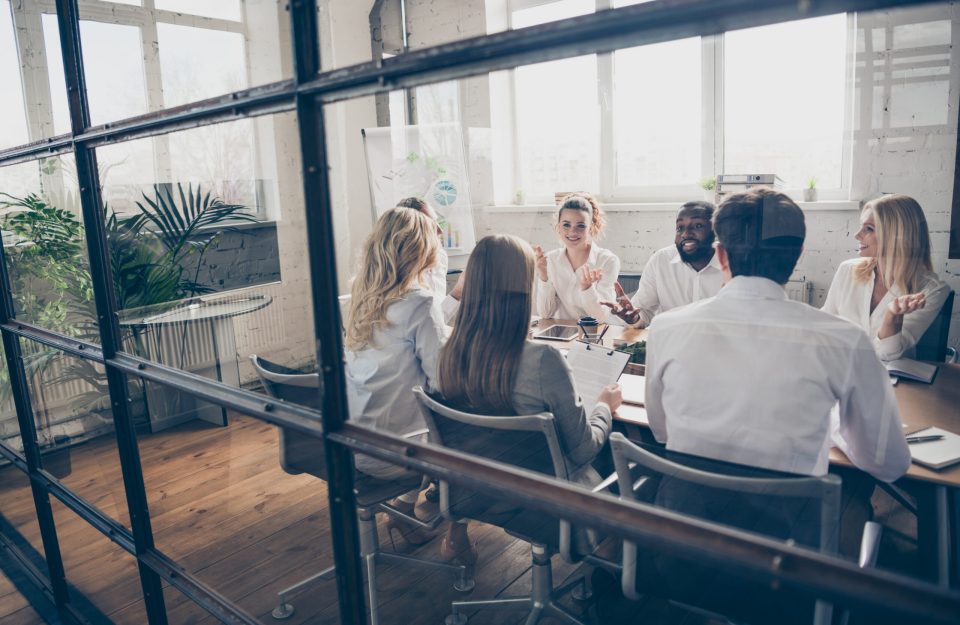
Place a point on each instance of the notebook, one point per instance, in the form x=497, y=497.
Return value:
x=593, y=368
x=936, y=454
x=912, y=370
x=634, y=389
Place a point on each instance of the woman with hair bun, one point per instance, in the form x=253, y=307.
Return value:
x=575, y=278
x=891, y=291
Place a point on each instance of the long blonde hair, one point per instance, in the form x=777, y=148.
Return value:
x=903, y=244
x=478, y=365
x=402, y=246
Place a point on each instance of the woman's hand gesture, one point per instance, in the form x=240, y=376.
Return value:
x=906, y=304
x=588, y=277
x=541, y=262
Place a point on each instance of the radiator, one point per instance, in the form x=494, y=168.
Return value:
x=800, y=290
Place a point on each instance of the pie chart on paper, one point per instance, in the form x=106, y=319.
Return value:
x=444, y=193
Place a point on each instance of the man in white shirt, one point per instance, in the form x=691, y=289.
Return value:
x=676, y=275
x=750, y=377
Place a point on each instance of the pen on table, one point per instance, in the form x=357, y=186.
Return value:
x=924, y=439
x=600, y=338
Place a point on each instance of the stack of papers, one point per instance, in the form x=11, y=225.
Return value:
x=912, y=370
x=936, y=454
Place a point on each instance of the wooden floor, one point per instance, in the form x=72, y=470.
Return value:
x=223, y=509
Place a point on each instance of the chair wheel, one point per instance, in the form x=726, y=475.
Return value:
x=456, y=619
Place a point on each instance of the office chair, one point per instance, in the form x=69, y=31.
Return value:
x=630, y=281
x=933, y=343
x=300, y=453
x=805, y=510
x=530, y=442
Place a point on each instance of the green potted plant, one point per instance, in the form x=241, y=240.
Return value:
x=810, y=193
x=709, y=186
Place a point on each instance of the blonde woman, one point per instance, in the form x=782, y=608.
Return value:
x=393, y=336
x=488, y=366
x=576, y=277
x=891, y=291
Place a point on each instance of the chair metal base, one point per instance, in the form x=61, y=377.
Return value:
x=541, y=602
x=371, y=554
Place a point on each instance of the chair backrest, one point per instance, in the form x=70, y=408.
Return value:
x=933, y=343
x=530, y=442
x=803, y=509
x=630, y=282
x=299, y=453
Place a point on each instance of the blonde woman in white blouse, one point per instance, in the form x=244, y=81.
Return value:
x=575, y=278
x=891, y=291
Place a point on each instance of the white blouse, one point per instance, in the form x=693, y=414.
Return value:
x=850, y=299
x=437, y=277
x=561, y=297
x=402, y=354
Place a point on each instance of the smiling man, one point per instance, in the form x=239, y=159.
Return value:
x=677, y=275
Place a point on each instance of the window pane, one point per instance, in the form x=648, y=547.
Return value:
x=785, y=93
x=13, y=128
x=198, y=63
x=221, y=9
x=657, y=111
x=558, y=127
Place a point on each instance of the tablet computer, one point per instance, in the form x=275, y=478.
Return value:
x=558, y=333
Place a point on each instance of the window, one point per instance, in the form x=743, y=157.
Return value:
x=665, y=116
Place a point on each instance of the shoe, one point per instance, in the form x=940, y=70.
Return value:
x=405, y=535
x=432, y=494
x=465, y=555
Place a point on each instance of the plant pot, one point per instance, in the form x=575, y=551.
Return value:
x=55, y=456
x=809, y=195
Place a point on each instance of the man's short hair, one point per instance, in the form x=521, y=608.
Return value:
x=706, y=207
x=762, y=231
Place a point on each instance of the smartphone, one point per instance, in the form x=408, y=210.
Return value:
x=558, y=333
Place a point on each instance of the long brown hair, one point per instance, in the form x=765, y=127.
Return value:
x=478, y=365
x=903, y=244
x=401, y=247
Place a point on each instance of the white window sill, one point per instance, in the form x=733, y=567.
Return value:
x=638, y=207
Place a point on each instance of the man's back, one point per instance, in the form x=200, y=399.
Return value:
x=751, y=377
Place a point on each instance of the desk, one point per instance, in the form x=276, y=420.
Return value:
x=196, y=335
x=938, y=492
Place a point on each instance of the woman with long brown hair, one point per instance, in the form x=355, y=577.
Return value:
x=488, y=366
x=891, y=291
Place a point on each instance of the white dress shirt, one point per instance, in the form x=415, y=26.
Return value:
x=667, y=282
x=402, y=354
x=561, y=297
x=850, y=299
x=750, y=377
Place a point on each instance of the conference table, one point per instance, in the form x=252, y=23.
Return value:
x=937, y=492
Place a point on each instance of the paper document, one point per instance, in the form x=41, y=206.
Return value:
x=936, y=454
x=594, y=367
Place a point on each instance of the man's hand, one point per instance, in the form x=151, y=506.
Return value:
x=588, y=277
x=541, y=263
x=622, y=307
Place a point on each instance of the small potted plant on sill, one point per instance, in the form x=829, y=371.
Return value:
x=810, y=193
x=709, y=186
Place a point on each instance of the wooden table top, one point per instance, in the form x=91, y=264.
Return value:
x=921, y=405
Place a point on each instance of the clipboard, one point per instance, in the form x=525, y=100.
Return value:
x=594, y=367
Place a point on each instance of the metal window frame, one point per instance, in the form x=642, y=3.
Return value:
x=307, y=93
